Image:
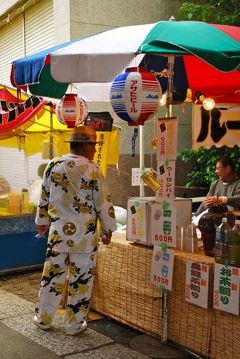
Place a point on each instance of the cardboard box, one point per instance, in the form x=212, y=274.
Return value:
x=142, y=226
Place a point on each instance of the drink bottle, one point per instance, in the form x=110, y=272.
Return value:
x=190, y=239
x=221, y=242
x=25, y=200
x=234, y=244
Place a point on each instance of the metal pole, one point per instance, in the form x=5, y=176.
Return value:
x=170, y=86
x=169, y=112
x=141, y=158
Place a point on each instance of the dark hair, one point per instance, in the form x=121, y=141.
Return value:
x=76, y=146
x=227, y=161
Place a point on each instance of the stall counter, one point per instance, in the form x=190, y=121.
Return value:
x=19, y=246
x=122, y=291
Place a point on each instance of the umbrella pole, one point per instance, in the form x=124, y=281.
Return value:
x=169, y=112
x=170, y=86
x=141, y=158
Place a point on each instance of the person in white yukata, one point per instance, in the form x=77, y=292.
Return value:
x=74, y=196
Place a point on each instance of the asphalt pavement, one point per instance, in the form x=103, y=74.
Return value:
x=103, y=339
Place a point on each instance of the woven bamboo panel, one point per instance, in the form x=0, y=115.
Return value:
x=188, y=325
x=122, y=290
x=225, y=343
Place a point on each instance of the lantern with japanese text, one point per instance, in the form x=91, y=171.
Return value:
x=135, y=95
x=71, y=110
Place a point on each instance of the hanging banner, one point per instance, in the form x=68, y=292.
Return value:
x=166, y=178
x=108, y=143
x=218, y=127
x=167, y=138
x=163, y=224
x=226, y=288
x=162, y=267
x=197, y=283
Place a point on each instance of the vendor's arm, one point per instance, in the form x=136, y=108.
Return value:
x=231, y=198
x=214, y=198
x=203, y=206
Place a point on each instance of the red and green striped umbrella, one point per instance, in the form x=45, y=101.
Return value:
x=207, y=57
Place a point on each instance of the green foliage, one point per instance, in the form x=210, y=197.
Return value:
x=202, y=172
x=212, y=11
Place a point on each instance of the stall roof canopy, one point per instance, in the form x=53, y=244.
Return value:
x=21, y=113
x=29, y=123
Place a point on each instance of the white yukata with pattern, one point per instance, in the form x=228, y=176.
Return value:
x=74, y=196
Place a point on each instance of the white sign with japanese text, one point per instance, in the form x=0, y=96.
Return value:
x=218, y=127
x=197, y=283
x=167, y=129
x=162, y=267
x=166, y=178
x=163, y=224
x=226, y=288
x=136, y=220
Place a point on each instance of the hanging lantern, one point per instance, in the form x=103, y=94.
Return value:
x=135, y=95
x=71, y=110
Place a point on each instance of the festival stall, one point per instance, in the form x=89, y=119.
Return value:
x=30, y=124
x=148, y=281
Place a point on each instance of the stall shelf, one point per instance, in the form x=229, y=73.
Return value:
x=19, y=246
x=122, y=291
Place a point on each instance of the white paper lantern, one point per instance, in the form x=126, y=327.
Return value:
x=135, y=95
x=71, y=110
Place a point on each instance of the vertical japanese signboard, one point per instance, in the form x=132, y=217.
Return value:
x=163, y=224
x=136, y=220
x=226, y=288
x=197, y=283
x=167, y=138
x=166, y=177
x=166, y=157
x=162, y=267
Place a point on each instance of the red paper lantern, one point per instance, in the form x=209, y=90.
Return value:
x=135, y=95
x=71, y=110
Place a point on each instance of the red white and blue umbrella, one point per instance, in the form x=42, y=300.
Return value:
x=206, y=56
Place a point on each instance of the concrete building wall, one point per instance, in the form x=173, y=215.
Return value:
x=100, y=15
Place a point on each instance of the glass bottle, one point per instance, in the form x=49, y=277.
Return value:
x=209, y=222
x=221, y=242
x=234, y=245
